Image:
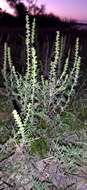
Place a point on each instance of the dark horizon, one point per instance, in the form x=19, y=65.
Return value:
x=65, y=9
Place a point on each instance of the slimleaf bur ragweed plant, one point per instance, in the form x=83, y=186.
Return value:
x=40, y=101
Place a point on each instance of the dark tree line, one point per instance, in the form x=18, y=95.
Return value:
x=31, y=8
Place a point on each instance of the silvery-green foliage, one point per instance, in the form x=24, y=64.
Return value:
x=40, y=99
x=66, y=154
x=38, y=185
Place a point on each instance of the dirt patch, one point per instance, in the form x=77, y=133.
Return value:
x=18, y=169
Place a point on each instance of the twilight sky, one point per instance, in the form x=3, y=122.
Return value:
x=5, y=7
x=72, y=9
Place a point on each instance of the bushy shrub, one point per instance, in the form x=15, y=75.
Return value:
x=41, y=101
